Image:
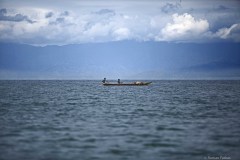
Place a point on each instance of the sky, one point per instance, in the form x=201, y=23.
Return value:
x=129, y=39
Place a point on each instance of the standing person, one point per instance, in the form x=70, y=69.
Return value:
x=119, y=81
x=104, y=80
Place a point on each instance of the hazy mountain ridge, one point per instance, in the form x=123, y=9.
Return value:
x=124, y=59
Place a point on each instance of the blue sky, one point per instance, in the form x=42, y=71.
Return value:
x=144, y=39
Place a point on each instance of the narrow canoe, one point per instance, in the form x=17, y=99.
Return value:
x=127, y=84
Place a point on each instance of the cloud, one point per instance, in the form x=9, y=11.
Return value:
x=183, y=27
x=232, y=32
x=15, y=18
x=169, y=7
x=42, y=26
x=49, y=14
x=105, y=11
x=121, y=33
x=65, y=13
x=60, y=20
x=221, y=8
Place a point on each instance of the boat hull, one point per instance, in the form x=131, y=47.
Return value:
x=126, y=84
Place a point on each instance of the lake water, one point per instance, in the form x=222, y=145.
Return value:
x=167, y=120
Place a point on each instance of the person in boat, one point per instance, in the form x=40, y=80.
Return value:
x=119, y=81
x=104, y=80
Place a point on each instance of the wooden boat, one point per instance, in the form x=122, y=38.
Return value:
x=128, y=84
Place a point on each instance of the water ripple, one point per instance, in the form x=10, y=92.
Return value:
x=85, y=120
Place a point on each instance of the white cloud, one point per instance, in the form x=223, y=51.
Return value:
x=121, y=33
x=52, y=25
x=99, y=26
x=232, y=32
x=183, y=27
